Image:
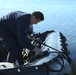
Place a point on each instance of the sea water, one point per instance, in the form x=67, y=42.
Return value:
x=60, y=15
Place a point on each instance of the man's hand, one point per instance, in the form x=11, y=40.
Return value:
x=37, y=50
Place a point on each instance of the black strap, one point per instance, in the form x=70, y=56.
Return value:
x=3, y=66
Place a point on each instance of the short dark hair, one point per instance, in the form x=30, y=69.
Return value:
x=38, y=15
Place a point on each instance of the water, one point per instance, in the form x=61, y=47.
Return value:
x=60, y=15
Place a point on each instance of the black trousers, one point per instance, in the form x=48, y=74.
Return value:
x=12, y=46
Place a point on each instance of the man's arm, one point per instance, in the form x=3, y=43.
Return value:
x=22, y=33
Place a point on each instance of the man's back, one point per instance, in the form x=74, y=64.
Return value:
x=11, y=21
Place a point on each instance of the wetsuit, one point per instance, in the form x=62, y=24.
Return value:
x=13, y=34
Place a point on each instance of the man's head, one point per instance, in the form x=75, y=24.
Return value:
x=36, y=17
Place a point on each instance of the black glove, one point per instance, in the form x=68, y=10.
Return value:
x=37, y=56
x=45, y=53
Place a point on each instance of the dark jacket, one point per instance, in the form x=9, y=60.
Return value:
x=17, y=24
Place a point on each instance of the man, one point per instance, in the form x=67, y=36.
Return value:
x=14, y=28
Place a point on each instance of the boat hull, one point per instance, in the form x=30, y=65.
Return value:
x=53, y=64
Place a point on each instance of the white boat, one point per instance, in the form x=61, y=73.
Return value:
x=54, y=61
